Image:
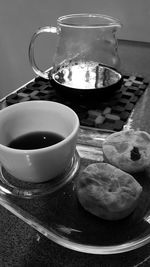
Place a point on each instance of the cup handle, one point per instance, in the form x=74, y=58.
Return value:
x=47, y=29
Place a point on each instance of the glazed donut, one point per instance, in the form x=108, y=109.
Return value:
x=128, y=150
x=107, y=192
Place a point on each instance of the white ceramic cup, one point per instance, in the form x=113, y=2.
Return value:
x=37, y=165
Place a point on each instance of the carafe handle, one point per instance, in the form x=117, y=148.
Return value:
x=47, y=29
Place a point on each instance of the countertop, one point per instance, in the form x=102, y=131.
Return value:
x=22, y=246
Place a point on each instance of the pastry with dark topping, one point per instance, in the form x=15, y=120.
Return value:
x=129, y=150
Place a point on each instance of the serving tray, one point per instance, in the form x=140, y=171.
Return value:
x=53, y=208
x=59, y=216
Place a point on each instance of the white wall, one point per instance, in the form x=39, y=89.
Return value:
x=20, y=18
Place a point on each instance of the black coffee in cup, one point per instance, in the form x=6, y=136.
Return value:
x=35, y=140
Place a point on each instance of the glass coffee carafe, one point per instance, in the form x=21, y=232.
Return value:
x=86, y=55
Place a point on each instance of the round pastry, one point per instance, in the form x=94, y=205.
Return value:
x=128, y=150
x=107, y=192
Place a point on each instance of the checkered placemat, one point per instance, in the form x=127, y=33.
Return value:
x=111, y=114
